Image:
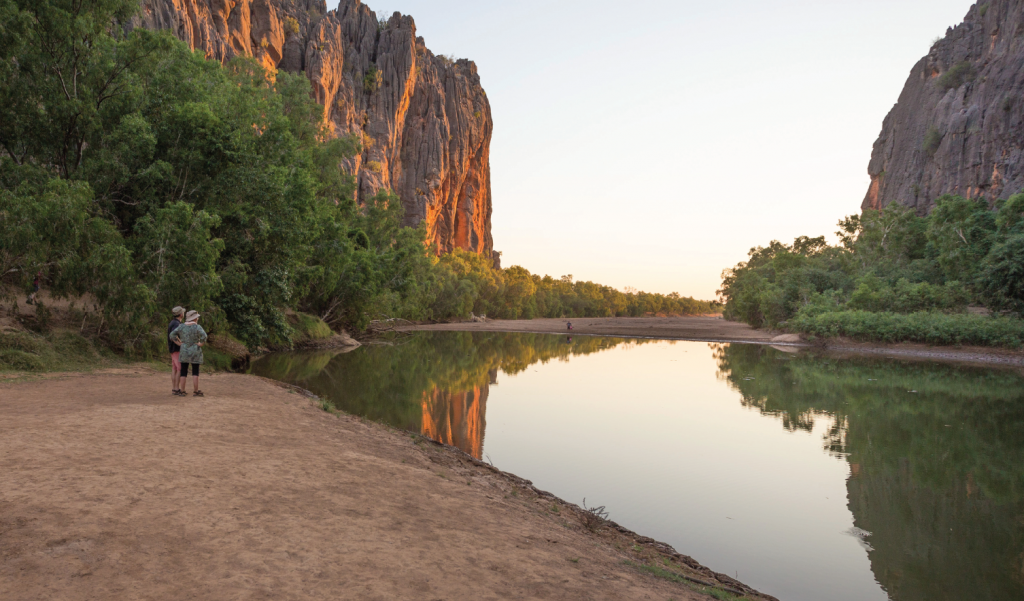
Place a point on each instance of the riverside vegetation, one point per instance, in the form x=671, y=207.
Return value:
x=894, y=276
x=138, y=175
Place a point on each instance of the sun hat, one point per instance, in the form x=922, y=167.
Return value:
x=192, y=316
x=178, y=311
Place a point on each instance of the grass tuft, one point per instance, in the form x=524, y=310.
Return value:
x=957, y=75
x=671, y=576
x=932, y=140
x=21, y=361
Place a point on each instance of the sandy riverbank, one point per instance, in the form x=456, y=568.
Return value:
x=114, y=489
x=716, y=329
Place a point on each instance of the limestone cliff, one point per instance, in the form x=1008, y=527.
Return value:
x=424, y=120
x=958, y=127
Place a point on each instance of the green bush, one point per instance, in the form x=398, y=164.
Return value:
x=932, y=141
x=957, y=75
x=1003, y=277
x=372, y=79
x=924, y=327
x=872, y=294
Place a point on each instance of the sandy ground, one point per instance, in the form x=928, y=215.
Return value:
x=716, y=329
x=110, y=488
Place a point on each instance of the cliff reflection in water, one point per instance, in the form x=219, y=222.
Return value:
x=435, y=383
x=936, y=458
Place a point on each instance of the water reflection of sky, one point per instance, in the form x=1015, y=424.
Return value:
x=653, y=433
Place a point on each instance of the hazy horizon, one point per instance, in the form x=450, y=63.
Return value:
x=654, y=149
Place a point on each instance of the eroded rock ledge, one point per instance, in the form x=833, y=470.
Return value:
x=424, y=120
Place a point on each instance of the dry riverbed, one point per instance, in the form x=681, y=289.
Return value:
x=113, y=489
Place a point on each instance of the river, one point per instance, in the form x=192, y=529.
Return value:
x=805, y=475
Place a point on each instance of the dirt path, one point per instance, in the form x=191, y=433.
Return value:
x=110, y=488
x=716, y=329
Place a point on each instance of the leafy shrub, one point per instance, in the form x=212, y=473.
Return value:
x=932, y=140
x=1002, y=278
x=983, y=10
x=291, y=26
x=374, y=166
x=872, y=294
x=957, y=75
x=924, y=327
x=372, y=79
x=366, y=141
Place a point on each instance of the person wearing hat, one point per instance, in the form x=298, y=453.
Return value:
x=175, y=350
x=191, y=337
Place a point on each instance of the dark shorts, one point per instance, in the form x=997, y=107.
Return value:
x=184, y=369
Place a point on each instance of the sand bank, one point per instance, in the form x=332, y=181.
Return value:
x=114, y=489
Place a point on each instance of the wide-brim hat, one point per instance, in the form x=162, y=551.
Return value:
x=192, y=316
x=178, y=311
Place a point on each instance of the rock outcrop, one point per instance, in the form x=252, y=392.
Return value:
x=958, y=127
x=424, y=121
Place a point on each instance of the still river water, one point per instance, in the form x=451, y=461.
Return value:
x=809, y=477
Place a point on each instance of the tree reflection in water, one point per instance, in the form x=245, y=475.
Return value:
x=936, y=456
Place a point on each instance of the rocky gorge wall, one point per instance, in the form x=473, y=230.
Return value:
x=958, y=127
x=424, y=120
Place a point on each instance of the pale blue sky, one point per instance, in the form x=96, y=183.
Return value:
x=653, y=143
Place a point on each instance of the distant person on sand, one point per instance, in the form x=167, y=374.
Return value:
x=569, y=326
x=175, y=351
x=191, y=337
x=35, y=287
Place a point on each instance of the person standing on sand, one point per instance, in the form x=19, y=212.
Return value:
x=175, y=351
x=191, y=337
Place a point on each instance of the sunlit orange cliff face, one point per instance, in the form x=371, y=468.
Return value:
x=423, y=121
x=456, y=418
